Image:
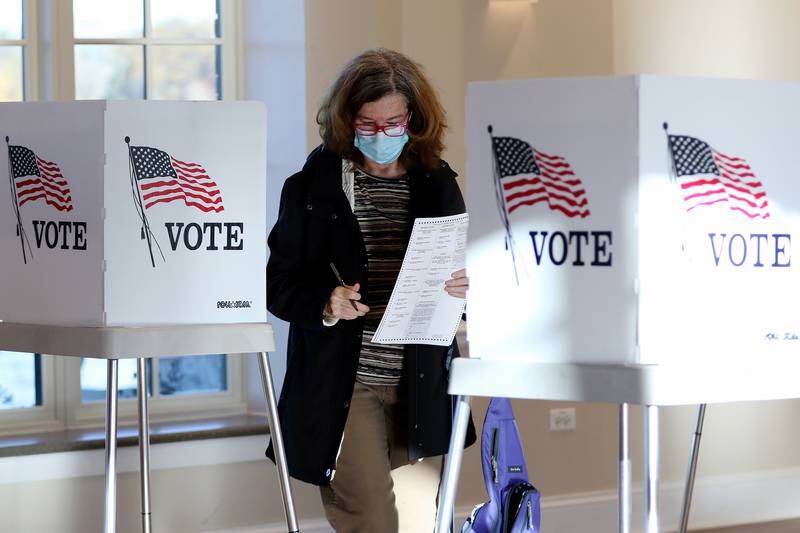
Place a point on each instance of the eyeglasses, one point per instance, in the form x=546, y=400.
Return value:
x=390, y=130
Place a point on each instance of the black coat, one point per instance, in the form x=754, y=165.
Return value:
x=315, y=227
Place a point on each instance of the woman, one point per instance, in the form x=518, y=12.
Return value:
x=351, y=410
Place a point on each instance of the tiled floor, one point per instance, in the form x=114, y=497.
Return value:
x=789, y=526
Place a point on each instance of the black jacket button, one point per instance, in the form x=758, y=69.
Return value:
x=421, y=375
x=346, y=405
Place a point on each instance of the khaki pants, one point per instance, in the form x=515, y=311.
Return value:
x=361, y=499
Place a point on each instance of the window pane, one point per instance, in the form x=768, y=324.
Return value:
x=94, y=376
x=109, y=72
x=10, y=73
x=101, y=18
x=10, y=19
x=184, y=72
x=184, y=18
x=193, y=374
x=20, y=380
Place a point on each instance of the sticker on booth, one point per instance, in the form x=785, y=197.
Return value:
x=160, y=178
x=32, y=179
x=708, y=177
x=525, y=177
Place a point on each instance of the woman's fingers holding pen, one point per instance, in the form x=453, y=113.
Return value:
x=458, y=284
x=344, y=303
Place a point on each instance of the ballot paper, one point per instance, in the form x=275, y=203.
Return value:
x=419, y=309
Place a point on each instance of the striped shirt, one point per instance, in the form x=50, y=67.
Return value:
x=381, y=207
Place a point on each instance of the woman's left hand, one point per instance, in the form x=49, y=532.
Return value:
x=458, y=284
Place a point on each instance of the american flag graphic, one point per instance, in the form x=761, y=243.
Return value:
x=163, y=178
x=36, y=179
x=715, y=178
x=528, y=176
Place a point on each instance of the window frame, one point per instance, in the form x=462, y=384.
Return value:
x=229, y=41
x=162, y=408
x=48, y=43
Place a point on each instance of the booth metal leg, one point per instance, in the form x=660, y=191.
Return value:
x=687, y=495
x=624, y=470
x=651, y=460
x=277, y=442
x=110, y=515
x=452, y=468
x=144, y=444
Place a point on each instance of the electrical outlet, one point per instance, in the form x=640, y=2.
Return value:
x=562, y=419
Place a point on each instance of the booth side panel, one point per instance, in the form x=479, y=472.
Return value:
x=186, y=211
x=552, y=194
x=51, y=213
x=720, y=212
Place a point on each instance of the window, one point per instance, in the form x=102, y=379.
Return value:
x=125, y=49
x=13, y=43
x=160, y=49
x=177, y=376
x=20, y=380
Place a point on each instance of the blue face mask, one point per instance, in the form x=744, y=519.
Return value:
x=380, y=147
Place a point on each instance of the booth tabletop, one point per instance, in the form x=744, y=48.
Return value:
x=133, y=342
x=635, y=384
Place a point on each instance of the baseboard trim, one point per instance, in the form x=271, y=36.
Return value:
x=719, y=501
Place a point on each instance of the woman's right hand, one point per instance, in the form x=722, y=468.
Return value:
x=344, y=303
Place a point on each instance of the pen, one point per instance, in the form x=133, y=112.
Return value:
x=341, y=282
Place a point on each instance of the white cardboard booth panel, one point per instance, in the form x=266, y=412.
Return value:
x=634, y=219
x=133, y=213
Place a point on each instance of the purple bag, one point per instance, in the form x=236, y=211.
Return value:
x=513, y=505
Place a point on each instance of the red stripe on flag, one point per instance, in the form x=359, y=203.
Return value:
x=731, y=158
x=574, y=183
x=558, y=185
x=189, y=203
x=26, y=182
x=179, y=193
x=539, y=153
x=571, y=201
x=200, y=180
x=155, y=184
x=697, y=183
x=186, y=164
x=31, y=198
x=527, y=202
x=28, y=192
x=750, y=215
x=59, y=207
x=206, y=190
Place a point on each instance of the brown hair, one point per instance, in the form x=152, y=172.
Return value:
x=369, y=77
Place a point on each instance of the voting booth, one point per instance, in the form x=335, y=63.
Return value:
x=131, y=230
x=630, y=242
x=133, y=213
x=634, y=219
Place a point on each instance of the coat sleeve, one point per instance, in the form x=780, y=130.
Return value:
x=453, y=199
x=294, y=293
